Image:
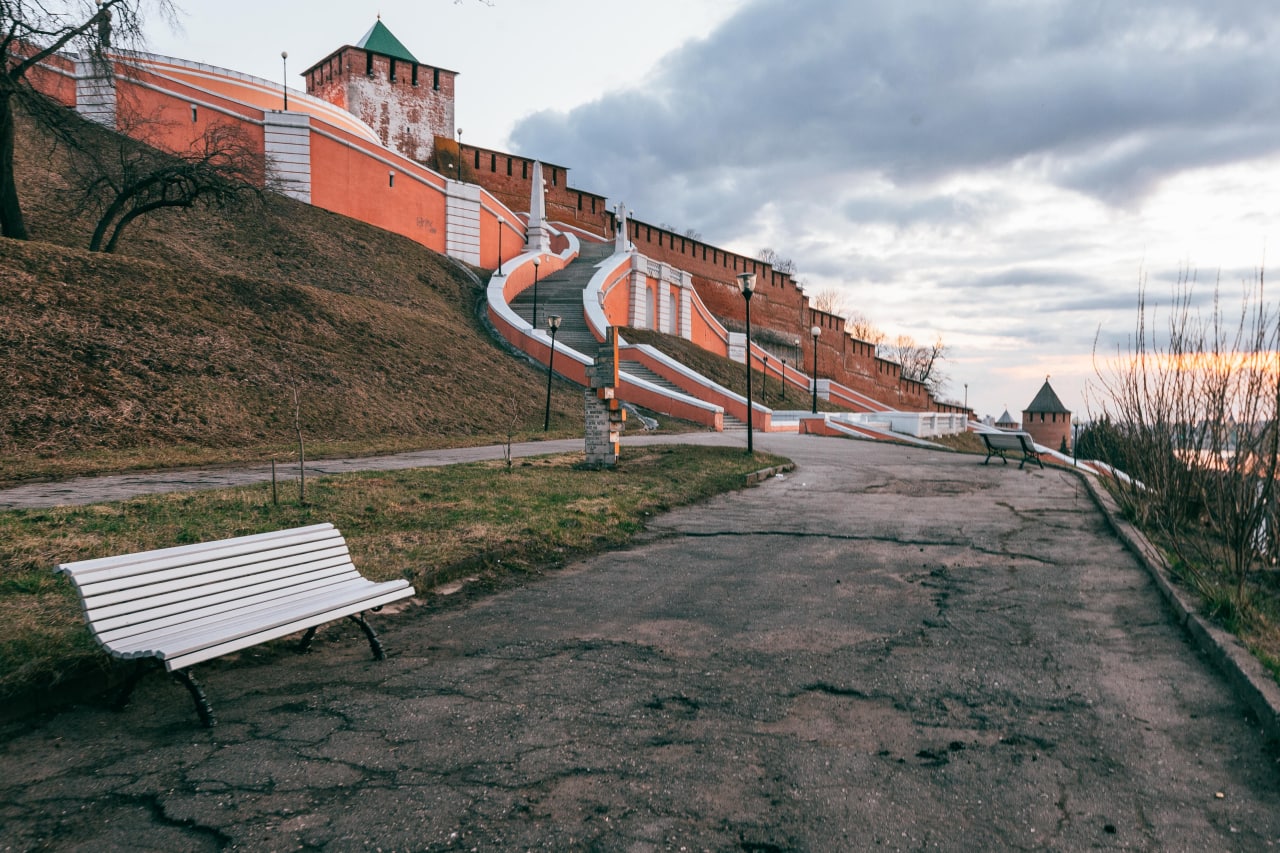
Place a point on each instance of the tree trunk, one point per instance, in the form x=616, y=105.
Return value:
x=12, y=223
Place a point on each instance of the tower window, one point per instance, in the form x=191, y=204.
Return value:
x=392, y=75
x=413, y=75
x=368, y=64
x=508, y=167
x=524, y=170
x=435, y=78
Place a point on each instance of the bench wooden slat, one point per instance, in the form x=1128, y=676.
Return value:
x=260, y=607
x=184, y=638
x=161, y=617
x=285, y=630
x=245, y=574
x=186, y=559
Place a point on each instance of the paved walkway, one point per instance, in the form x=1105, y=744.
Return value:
x=115, y=487
x=889, y=648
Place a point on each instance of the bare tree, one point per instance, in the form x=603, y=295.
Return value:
x=779, y=263
x=920, y=362
x=859, y=325
x=123, y=179
x=830, y=301
x=31, y=31
x=688, y=233
x=1193, y=409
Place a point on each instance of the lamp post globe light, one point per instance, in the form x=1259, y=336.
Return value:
x=533, y=320
x=553, y=325
x=459, y=163
x=502, y=223
x=815, y=331
x=747, y=284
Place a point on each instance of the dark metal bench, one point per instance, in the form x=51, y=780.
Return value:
x=184, y=605
x=1000, y=443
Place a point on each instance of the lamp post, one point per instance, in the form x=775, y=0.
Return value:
x=284, y=62
x=783, y=393
x=537, y=262
x=502, y=223
x=966, y=399
x=459, y=164
x=553, y=325
x=747, y=284
x=815, y=331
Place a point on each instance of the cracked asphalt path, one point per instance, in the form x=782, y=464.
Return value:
x=888, y=648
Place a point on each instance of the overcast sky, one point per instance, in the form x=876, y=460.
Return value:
x=999, y=173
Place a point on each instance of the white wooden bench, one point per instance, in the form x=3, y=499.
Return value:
x=1000, y=443
x=184, y=605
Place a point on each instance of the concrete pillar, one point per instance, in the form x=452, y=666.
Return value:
x=639, y=293
x=686, y=306
x=538, y=238
x=96, y=92
x=288, y=151
x=462, y=222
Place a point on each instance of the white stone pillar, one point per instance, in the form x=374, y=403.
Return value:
x=462, y=222
x=686, y=306
x=537, y=239
x=95, y=92
x=639, y=292
x=288, y=151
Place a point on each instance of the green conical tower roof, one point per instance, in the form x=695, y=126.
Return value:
x=1047, y=401
x=380, y=40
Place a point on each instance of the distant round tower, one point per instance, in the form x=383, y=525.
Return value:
x=379, y=81
x=1047, y=420
x=1007, y=422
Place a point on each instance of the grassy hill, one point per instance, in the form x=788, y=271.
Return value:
x=188, y=346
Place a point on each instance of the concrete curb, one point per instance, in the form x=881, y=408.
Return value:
x=1252, y=683
x=765, y=473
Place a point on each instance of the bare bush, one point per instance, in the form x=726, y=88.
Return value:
x=1193, y=409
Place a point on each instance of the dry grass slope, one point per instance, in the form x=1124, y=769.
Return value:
x=195, y=337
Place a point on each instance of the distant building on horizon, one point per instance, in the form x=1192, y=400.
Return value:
x=1047, y=420
x=1006, y=421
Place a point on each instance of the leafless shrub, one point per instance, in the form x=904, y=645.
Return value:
x=1194, y=407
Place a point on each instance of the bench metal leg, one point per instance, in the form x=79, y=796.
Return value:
x=378, y=653
x=202, y=703
x=305, y=644
x=137, y=669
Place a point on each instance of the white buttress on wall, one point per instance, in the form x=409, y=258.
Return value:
x=95, y=93
x=462, y=222
x=288, y=150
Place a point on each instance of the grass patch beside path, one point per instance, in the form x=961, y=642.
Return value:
x=429, y=525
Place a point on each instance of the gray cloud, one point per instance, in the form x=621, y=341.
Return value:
x=1107, y=98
